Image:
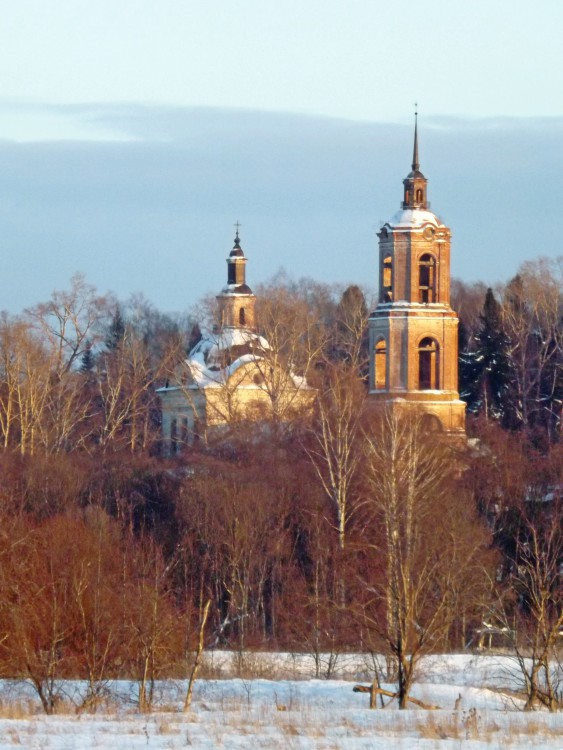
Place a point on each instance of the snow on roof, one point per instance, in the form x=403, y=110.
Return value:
x=414, y=218
x=210, y=365
x=209, y=351
x=237, y=290
x=206, y=361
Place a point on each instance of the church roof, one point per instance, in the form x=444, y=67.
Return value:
x=242, y=289
x=219, y=354
x=237, y=251
x=413, y=218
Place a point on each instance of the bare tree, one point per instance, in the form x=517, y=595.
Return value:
x=335, y=451
x=427, y=547
x=126, y=379
x=296, y=338
x=70, y=321
x=95, y=582
x=151, y=622
x=467, y=300
x=234, y=519
x=536, y=578
x=532, y=313
x=350, y=336
x=35, y=611
x=198, y=656
x=26, y=388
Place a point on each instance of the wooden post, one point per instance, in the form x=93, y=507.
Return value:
x=373, y=694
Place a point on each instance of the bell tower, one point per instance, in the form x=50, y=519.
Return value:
x=237, y=300
x=413, y=330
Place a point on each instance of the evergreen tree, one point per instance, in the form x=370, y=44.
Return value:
x=116, y=330
x=87, y=360
x=468, y=370
x=491, y=367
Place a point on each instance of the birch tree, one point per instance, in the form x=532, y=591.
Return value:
x=532, y=313
x=426, y=545
x=335, y=450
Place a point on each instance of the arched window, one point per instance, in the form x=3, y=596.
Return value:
x=427, y=278
x=381, y=365
x=419, y=195
x=428, y=365
x=387, y=295
x=242, y=316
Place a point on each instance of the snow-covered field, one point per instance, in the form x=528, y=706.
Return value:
x=292, y=711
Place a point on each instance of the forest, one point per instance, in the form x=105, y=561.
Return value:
x=324, y=531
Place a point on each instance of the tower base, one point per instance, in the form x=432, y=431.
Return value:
x=440, y=411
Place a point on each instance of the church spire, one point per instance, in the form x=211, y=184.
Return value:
x=415, y=162
x=414, y=195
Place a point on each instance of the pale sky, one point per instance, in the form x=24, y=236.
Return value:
x=357, y=59
x=134, y=133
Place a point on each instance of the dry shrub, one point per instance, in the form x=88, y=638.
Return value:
x=166, y=725
x=20, y=709
x=466, y=725
x=251, y=666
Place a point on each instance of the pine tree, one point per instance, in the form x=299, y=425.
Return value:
x=116, y=330
x=87, y=360
x=492, y=368
x=468, y=371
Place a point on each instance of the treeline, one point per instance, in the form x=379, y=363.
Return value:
x=331, y=531
x=511, y=343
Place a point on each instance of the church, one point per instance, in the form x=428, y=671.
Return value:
x=228, y=376
x=413, y=331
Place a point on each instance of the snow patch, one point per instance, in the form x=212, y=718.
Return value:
x=414, y=218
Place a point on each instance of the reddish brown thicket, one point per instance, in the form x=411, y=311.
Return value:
x=520, y=498
x=78, y=600
x=236, y=537
x=318, y=534
x=156, y=629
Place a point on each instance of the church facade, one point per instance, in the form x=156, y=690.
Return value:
x=413, y=331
